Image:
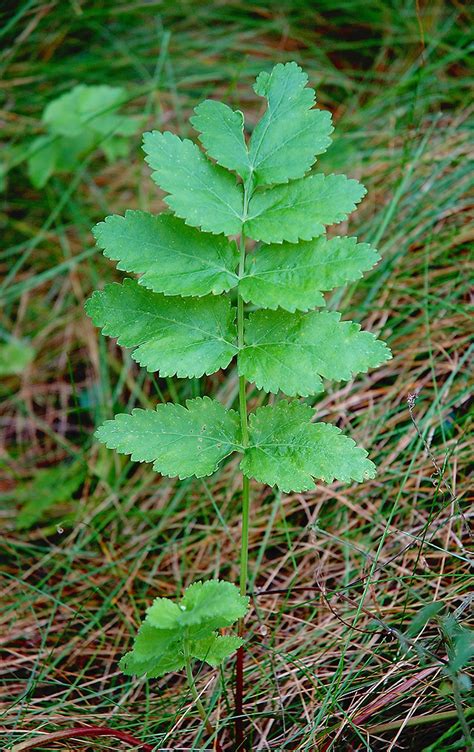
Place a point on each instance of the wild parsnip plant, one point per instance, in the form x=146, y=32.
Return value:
x=181, y=318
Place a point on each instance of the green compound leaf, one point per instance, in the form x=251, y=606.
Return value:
x=173, y=336
x=202, y=193
x=222, y=135
x=287, y=139
x=214, y=649
x=180, y=441
x=173, y=630
x=291, y=351
x=288, y=451
x=302, y=209
x=172, y=258
x=282, y=276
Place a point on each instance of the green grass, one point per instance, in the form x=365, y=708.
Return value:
x=76, y=583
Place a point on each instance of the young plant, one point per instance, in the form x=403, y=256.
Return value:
x=173, y=635
x=76, y=123
x=180, y=316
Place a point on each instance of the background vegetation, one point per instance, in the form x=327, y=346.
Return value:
x=339, y=574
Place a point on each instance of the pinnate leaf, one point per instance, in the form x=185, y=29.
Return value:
x=301, y=209
x=222, y=135
x=285, y=142
x=172, y=258
x=182, y=441
x=289, y=451
x=282, y=276
x=291, y=351
x=171, y=335
x=200, y=192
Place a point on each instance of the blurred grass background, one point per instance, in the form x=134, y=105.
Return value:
x=88, y=539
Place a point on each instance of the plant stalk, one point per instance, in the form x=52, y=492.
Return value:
x=200, y=707
x=244, y=544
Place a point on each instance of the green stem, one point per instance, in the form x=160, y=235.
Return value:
x=192, y=686
x=244, y=544
x=245, y=436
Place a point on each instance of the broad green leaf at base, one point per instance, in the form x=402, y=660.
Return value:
x=172, y=258
x=288, y=451
x=173, y=630
x=180, y=441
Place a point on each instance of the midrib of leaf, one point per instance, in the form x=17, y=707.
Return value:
x=202, y=259
x=208, y=188
x=283, y=144
x=281, y=205
x=290, y=269
x=217, y=440
x=192, y=327
x=291, y=423
x=270, y=120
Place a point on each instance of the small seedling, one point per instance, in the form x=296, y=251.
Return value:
x=76, y=123
x=181, y=320
x=173, y=635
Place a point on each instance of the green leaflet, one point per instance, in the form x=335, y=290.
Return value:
x=301, y=209
x=204, y=607
x=203, y=194
x=215, y=649
x=91, y=107
x=291, y=351
x=222, y=135
x=173, y=630
x=287, y=139
x=171, y=257
x=288, y=451
x=182, y=441
x=277, y=277
x=212, y=604
x=171, y=335
x=153, y=667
